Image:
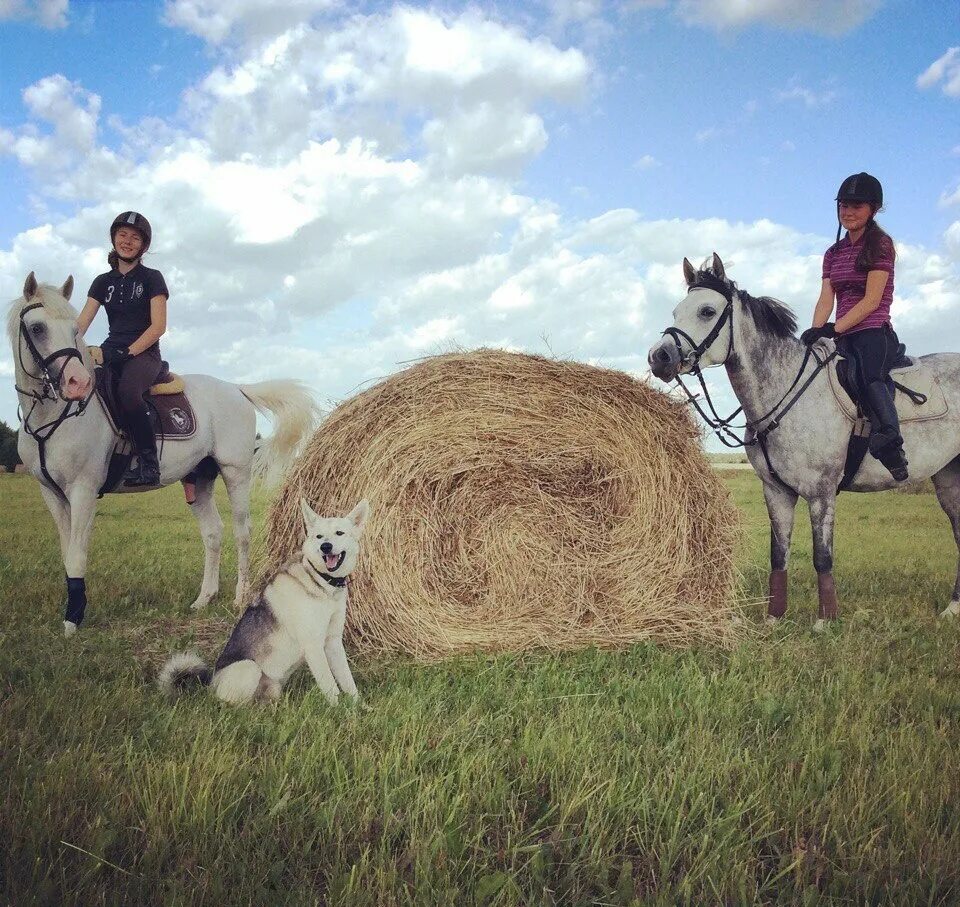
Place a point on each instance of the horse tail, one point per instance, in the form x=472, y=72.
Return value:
x=183, y=671
x=294, y=413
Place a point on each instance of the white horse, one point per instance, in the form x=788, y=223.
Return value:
x=66, y=439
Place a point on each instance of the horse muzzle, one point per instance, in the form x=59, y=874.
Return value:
x=664, y=360
x=75, y=381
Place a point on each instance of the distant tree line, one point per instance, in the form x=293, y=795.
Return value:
x=8, y=447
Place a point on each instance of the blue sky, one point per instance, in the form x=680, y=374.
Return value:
x=337, y=188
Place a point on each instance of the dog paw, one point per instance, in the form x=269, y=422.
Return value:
x=952, y=610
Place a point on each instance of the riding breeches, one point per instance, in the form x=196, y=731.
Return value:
x=139, y=373
x=873, y=350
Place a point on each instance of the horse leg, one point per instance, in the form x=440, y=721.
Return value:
x=781, y=508
x=204, y=508
x=822, y=514
x=237, y=479
x=947, y=485
x=60, y=511
x=82, y=508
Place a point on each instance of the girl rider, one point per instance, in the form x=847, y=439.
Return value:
x=858, y=271
x=135, y=298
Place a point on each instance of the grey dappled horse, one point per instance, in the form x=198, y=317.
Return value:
x=718, y=324
x=55, y=387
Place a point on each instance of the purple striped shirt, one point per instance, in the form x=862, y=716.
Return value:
x=839, y=264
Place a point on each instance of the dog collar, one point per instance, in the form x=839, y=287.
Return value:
x=337, y=582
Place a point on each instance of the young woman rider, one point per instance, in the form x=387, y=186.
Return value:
x=858, y=272
x=135, y=298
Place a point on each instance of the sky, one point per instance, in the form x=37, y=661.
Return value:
x=340, y=188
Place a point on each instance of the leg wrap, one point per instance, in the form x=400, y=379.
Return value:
x=76, y=599
x=827, y=592
x=777, y=600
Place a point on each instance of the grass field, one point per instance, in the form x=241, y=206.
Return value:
x=793, y=769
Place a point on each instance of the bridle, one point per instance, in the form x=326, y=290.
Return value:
x=720, y=426
x=49, y=391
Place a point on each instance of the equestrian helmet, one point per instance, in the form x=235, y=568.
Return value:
x=861, y=187
x=138, y=222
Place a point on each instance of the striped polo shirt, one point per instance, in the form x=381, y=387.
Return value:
x=839, y=265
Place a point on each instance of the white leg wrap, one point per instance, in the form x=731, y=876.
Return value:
x=952, y=610
x=69, y=628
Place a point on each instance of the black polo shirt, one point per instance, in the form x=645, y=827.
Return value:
x=126, y=298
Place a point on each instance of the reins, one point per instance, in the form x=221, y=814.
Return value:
x=49, y=392
x=721, y=427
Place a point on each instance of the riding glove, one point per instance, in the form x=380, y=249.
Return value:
x=113, y=355
x=812, y=335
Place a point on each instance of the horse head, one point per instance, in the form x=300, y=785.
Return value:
x=702, y=330
x=43, y=333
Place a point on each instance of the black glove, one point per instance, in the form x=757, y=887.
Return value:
x=812, y=335
x=115, y=356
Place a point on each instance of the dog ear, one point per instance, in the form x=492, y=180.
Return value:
x=358, y=516
x=309, y=517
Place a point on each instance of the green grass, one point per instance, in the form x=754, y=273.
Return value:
x=794, y=769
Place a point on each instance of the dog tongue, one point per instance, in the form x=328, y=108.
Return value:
x=331, y=560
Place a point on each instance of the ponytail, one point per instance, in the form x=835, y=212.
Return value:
x=113, y=260
x=877, y=244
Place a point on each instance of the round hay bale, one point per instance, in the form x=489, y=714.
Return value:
x=519, y=502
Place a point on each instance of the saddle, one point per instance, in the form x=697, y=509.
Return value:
x=170, y=411
x=918, y=396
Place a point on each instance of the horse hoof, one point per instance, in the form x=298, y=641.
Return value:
x=772, y=621
x=952, y=610
x=201, y=602
x=69, y=628
x=819, y=625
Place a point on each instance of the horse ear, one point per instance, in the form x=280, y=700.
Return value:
x=358, y=516
x=718, y=267
x=30, y=286
x=309, y=517
x=66, y=291
x=689, y=273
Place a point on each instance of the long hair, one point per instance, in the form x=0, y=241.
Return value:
x=876, y=244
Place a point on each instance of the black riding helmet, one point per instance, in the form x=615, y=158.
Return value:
x=859, y=187
x=139, y=223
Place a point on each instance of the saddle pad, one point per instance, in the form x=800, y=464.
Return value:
x=171, y=415
x=917, y=376
x=171, y=382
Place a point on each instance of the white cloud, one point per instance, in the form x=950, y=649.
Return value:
x=829, y=17
x=217, y=20
x=73, y=113
x=48, y=13
x=647, y=162
x=950, y=198
x=947, y=69
x=810, y=98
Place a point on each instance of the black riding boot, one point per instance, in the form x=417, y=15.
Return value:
x=147, y=470
x=886, y=444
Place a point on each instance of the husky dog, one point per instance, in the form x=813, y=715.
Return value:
x=299, y=617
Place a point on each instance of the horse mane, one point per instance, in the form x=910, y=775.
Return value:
x=771, y=316
x=53, y=303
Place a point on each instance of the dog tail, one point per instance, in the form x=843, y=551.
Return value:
x=182, y=672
